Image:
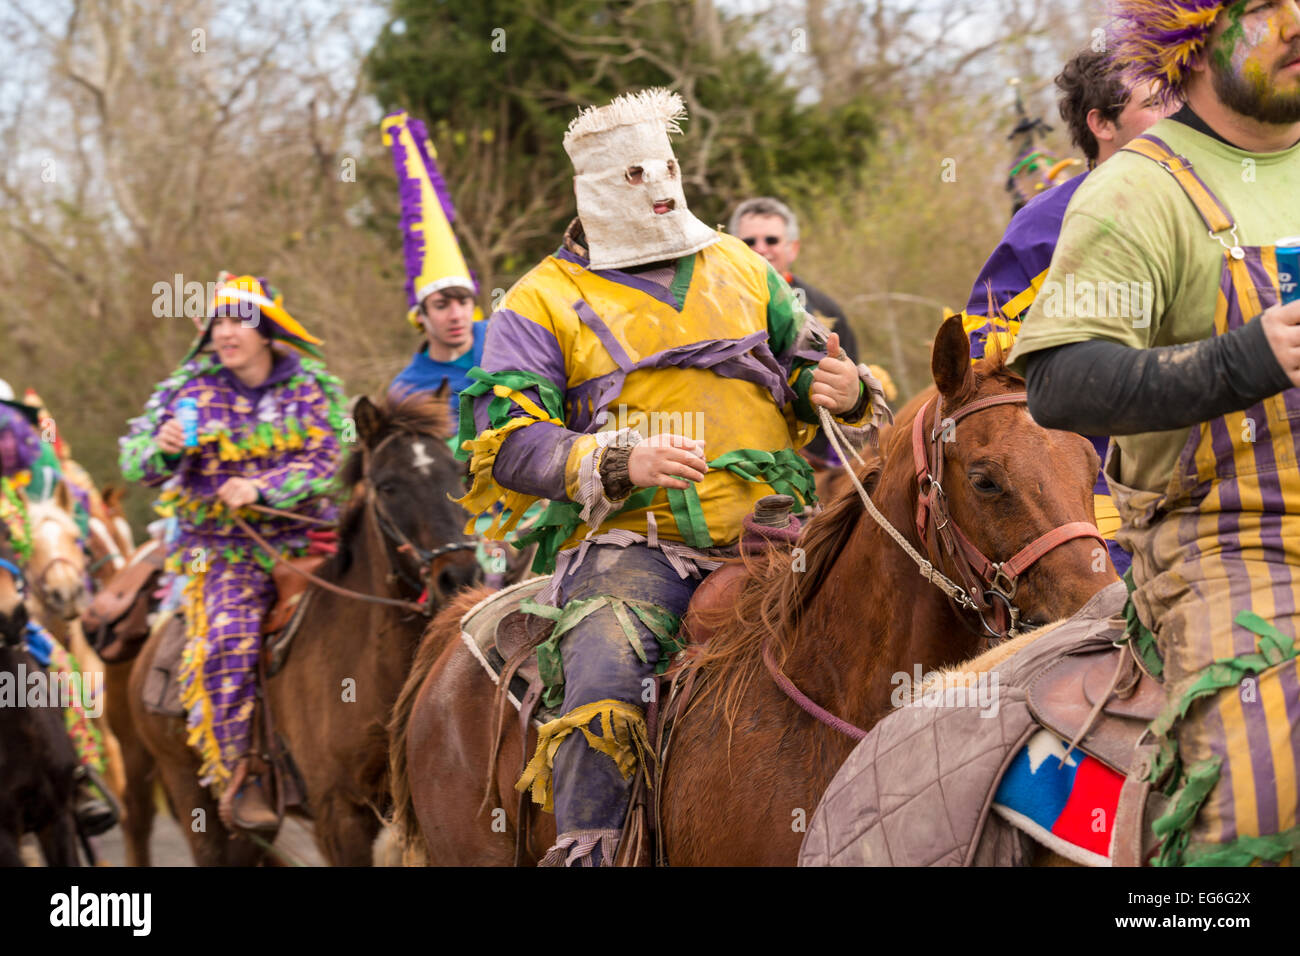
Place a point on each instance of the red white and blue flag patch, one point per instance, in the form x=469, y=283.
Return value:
x=1067, y=806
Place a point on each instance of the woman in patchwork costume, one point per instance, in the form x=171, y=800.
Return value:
x=652, y=379
x=1199, y=390
x=268, y=424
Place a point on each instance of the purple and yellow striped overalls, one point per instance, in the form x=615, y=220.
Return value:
x=1216, y=561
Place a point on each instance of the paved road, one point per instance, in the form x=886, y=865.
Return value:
x=294, y=843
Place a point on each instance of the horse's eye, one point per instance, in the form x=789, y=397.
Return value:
x=386, y=487
x=983, y=483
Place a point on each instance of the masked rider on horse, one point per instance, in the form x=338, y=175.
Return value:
x=653, y=378
x=267, y=434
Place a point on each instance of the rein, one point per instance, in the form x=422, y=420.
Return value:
x=387, y=527
x=279, y=558
x=932, y=512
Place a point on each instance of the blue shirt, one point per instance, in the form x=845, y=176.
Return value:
x=427, y=375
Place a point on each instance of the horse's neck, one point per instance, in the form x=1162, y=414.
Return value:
x=873, y=617
x=371, y=571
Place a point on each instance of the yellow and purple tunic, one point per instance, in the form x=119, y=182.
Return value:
x=721, y=352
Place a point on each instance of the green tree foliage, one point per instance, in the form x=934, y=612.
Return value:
x=498, y=83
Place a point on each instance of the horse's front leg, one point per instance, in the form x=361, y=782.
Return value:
x=59, y=840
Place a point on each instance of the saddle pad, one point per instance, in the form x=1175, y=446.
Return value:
x=162, y=691
x=1068, y=807
x=478, y=630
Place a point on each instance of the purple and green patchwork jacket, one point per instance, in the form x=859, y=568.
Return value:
x=282, y=435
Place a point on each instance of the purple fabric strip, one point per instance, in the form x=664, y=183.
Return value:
x=653, y=289
x=588, y=403
x=532, y=460
x=515, y=343
x=749, y=359
x=606, y=335
x=409, y=194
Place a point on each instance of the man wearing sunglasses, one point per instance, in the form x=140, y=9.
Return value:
x=770, y=228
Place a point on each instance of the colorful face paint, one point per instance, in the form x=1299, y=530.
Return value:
x=1248, y=56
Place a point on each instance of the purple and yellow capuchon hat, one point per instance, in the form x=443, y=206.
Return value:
x=1159, y=40
x=249, y=296
x=433, y=258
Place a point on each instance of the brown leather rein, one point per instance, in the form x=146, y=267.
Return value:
x=279, y=558
x=989, y=585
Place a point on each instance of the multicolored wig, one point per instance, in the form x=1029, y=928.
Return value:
x=433, y=257
x=1159, y=40
x=246, y=297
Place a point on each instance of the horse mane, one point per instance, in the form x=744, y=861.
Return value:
x=773, y=596
x=419, y=413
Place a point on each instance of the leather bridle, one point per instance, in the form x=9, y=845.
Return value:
x=389, y=528
x=989, y=586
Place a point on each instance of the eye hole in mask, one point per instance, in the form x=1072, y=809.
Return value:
x=651, y=171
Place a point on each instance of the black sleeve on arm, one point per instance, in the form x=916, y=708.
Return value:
x=1104, y=388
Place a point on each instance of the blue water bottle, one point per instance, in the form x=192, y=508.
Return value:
x=187, y=413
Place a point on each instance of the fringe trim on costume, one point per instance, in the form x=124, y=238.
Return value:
x=484, y=491
x=13, y=515
x=624, y=739
x=628, y=110
x=85, y=737
x=194, y=695
x=576, y=846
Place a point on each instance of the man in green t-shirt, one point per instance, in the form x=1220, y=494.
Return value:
x=1159, y=323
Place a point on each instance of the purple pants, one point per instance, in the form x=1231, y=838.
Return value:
x=599, y=664
x=235, y=598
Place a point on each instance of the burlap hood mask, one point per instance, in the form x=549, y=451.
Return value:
x=608, y=146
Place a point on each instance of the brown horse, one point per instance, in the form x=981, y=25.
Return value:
x=331, y=701
x=747, y=766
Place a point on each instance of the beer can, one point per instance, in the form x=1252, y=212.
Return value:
x=1288, y=267
x=187, y=413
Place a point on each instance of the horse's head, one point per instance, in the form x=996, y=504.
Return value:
x=13, y=613
x=57, y=570
x=1002, y=483
x=410, y=477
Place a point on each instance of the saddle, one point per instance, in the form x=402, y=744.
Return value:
x=117, y=621
x=1101, y=699
x=504, y=638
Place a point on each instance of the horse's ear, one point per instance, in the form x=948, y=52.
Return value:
x=63, y=497
x=444, y=391
x=370, y=424
x=950, y=362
